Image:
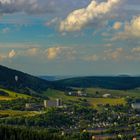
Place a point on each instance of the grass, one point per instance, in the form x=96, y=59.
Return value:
x=5, y=98
x=12, y=95
x=122, y=93
x=115, y=93
x=111, y=101
x=14, y=113
x=53, y=94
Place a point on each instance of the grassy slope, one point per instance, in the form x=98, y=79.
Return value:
x=12, y=95
x=25, y=81
x=53, y=94
x=14, y=113
x=111, y=101
x=121, y=93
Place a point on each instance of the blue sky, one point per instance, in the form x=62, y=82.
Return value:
x=70, y=37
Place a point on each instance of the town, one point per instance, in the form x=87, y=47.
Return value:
x=74, y=113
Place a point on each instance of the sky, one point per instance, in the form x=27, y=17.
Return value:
x=70, y=37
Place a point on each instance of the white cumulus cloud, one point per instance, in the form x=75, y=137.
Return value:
x=81, y=17
x=52, y=53
x=117, y=25
x=60, y=52
x=131, y=30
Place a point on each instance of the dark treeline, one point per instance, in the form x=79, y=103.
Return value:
x=19, y=133
x=107, y=82
x=24, y=133
x=53, y=118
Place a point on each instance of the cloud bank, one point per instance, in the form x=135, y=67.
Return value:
x=133, y=27
x=27, y=6
x=131, y=30
x=81, y=17
x=58, y=52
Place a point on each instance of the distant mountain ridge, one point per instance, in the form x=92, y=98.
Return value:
x=54, y=78
x=25, y=83
x=21, y=82
x=57, y=77
x=108, y=82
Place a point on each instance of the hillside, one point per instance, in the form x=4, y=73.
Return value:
x=21, y=82
x=108, y=82
x=10, y=95
x=25, y=83
x=54, y=78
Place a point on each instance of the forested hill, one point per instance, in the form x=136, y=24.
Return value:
x=16, y=80
x=108, y=82
x=22, y=82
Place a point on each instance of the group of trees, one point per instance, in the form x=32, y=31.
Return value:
x=72, y=120
x=107, y=82
x=16, y=133
x=53, y=118
x=24, y=133
x=19, y=104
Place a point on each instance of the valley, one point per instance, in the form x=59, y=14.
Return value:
x=77, y=113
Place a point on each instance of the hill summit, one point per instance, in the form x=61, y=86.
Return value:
x=20, y=81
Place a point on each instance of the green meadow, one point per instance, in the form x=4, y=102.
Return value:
x=12, y=95
x=53, y=94
x=14, y=113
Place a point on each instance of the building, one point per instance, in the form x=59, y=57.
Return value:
x=77, y=93
x=102, y=137
x=70, y=93
x=81, y=93
x=33, y=106
x=135, y=105
x=58, y=102
x=45, y=103
x=106, y=95
x=28, y=105
x=53, y=103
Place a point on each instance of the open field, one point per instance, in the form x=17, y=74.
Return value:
x=53, y=94
x=121, y=93
x=115, y=93
x=5, y=98
x=13, y=113
x=12, y=95
x=111, y=101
